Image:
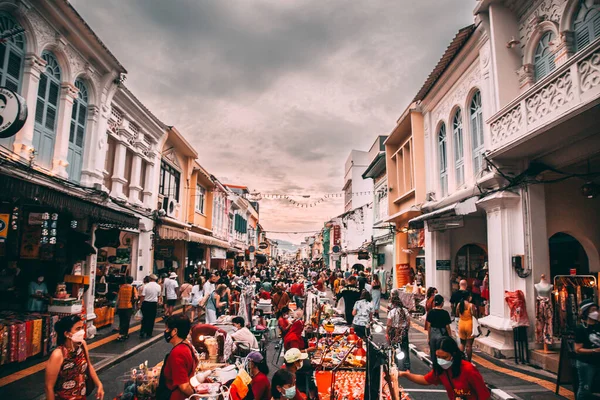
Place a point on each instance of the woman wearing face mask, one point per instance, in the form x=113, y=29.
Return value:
x=283, y=386
x=69, y=366
x=587, y=349
x=459, y=377
x=258, y=369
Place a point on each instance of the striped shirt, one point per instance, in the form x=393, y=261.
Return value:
x=125, y=295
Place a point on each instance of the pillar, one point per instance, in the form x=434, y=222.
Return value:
x=151, y=178
x=118, y=178
x=33, y=68
x=89, y=295
x=61, y=145
x=94, y=151
x=505, y=240
x=135, y=188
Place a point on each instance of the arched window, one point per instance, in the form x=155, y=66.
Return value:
x=457, y=138
x=544, y=57
x=443, y=159
x=587, y=24
x=477, y=132
x=12, y=54
x=77, y=132
x=46, y=111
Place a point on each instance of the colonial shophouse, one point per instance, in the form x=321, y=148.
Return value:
x=512, y=155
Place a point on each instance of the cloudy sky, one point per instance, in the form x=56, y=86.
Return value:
x=275, y=93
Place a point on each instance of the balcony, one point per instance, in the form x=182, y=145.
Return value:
x=569, y=91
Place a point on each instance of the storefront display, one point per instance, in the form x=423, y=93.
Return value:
x=569, y=292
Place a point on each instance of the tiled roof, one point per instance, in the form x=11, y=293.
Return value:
x=453, y=49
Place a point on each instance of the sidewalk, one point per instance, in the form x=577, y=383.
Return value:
x=513, y=381
x=28, y=383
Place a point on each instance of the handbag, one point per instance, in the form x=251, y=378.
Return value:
x=476, y=328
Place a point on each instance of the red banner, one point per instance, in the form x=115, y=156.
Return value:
x=337, y=235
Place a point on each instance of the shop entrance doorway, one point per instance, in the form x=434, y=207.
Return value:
x=567, y=253
x=471, y=264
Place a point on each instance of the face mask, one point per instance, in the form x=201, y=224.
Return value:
x=78, y=336
x=290, y=393
x=445, y=364
x=235, y=329
x=168, y=336
x=41, y=279
x=593, y=315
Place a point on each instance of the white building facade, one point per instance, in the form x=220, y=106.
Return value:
x=512, y=152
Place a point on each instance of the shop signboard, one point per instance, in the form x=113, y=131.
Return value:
x=402, y=274
x=337, y=235
x=4, y=226
x=442, y=224
x=13, y=113
x=442, y=265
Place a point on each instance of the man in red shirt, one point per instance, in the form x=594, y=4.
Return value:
x=180, y=364
x=297, y=290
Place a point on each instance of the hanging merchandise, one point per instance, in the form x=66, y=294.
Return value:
x=518, y=309
x=569, y=292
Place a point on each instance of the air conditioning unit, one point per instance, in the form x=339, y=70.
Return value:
x=169, y=205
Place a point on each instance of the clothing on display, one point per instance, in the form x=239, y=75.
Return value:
x=518, y=309
x=543, y=320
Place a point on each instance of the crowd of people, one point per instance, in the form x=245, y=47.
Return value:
x=206, y=297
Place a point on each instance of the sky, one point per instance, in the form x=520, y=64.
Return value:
x=274, y=94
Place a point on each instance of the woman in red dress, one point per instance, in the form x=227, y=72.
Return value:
x=69, y=366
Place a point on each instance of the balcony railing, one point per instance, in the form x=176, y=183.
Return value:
x=568, y=88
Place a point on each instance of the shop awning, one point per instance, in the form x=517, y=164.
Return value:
x=167, y=232
x=15, y=187
x=207, y=240
x=465, y=207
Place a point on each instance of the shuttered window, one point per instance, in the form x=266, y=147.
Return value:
x=457, y=138
x=77, y=132
x=443, y=159
x=200, y=198
x=477, y=145
x=46, y=112
x=12, y=54
x=587, y=25
x=544, y=57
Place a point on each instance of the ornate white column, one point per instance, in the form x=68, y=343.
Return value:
x=118, y=177
x=61, y=146
x=93, y=152
x=33, y=68
x=505, y=240
x=150, y=179
x=135, y=188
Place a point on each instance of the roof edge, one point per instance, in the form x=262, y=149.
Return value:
x=455, y=46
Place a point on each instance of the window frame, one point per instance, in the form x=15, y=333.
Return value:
x=79, y=103
x=174, y=177
x=584, y=26
x=442, y=146
x=459, y=147
x=200, y=199
x=543, y=57
x=477, y=132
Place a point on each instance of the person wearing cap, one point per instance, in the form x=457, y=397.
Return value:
x=587, y=349
x=297, y=362
x=171, y=289
x=149, y=298
x=258, y=368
